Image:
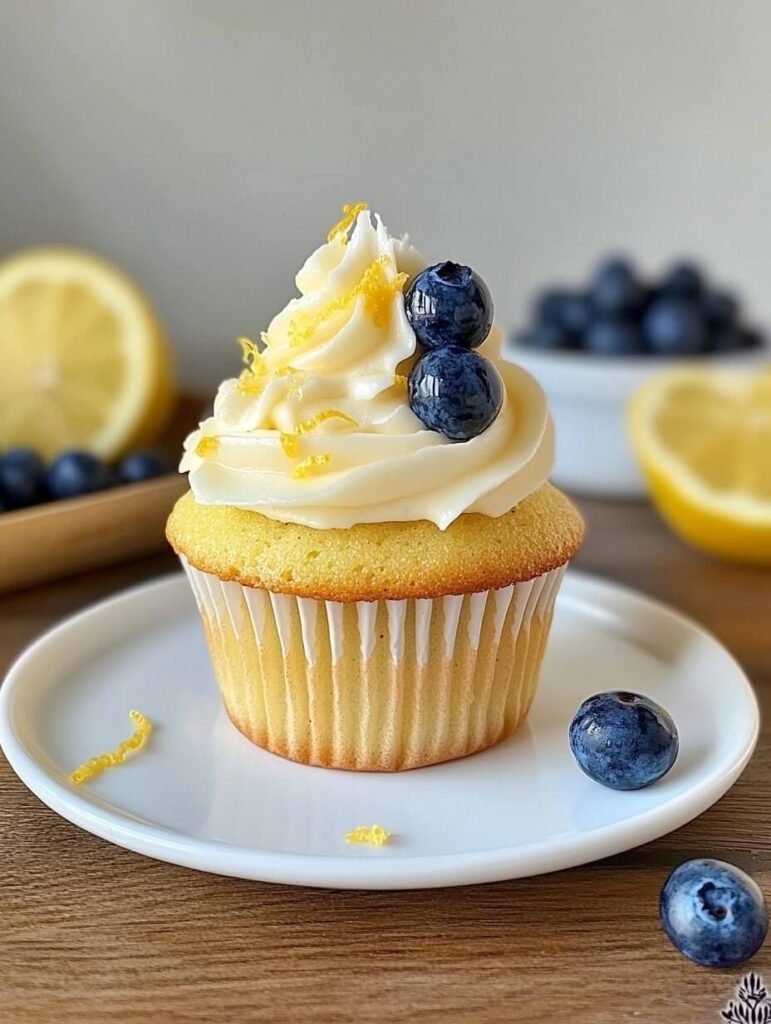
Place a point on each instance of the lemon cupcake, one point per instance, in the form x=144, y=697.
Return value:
x=370, y=536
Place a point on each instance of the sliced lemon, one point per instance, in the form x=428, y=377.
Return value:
x=703, y=438
x=83, y=360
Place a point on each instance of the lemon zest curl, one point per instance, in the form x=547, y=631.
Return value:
x=98, y=764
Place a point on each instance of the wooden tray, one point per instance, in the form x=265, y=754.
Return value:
x=60, y=538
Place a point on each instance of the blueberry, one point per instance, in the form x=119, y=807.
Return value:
x=751, y=338
x=720, y=310
x=549, y=305
x=138, y=466
x=576, y=314
x=22, y=476
x=623, y=740
x=615, y=288
x=714, y=913
x=546, y=336
x=456, y=392
x=448, y=304
x=675, y=327
x=683, y=280
x=727, y=339
x=74, y=473
x=613, y=336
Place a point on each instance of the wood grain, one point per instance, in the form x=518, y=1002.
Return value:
x=92, y=933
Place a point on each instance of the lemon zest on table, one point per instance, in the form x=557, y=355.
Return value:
x=350, y=212
x=370, y=835
x=307, y=466
x=115, y=757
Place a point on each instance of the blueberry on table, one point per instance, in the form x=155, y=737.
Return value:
x=138, y=466
x=456, y=392
x=613, y=336
x=623, y=740
x=714, y=913
x=675, y=327
x=683, y=280
x=75, y=473
x=615, y=288
x=752, y=339
x=547, y=337
x=448, y=304
x=22, y=476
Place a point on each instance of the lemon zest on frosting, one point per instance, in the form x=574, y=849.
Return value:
x=253, y=378
x=350, y=212
x=371, y=835
x=115, y=757
x=290, y=443
x=307, y=466
x=207, y=445
x=375, y=288
x=290, y=440
x=400, y=380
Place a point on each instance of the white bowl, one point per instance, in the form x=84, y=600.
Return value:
x=588, y=397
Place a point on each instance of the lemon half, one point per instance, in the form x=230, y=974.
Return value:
x=83, y=360
x=703, y=438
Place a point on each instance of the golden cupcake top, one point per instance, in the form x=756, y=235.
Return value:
x=378, y=395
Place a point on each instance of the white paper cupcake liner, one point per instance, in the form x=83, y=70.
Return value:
x=381, y=685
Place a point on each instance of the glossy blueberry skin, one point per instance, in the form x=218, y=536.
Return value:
x=456, y=392
x=448, y=304
x=675, y=327
x=22, y=478
x=683, y=280
x=547, y=337
x=714, y=913
x=75, y=473
x=613, y=336
x=615, y=289
x=623, y=740
x=138, y=466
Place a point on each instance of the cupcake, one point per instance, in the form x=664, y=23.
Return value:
x=369, y=533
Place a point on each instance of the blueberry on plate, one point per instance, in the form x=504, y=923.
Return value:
x=22, y=476
x=74, y=473
x=547, y=337
x=683, y=280
x=615, y=289
x=456, y=392
x=623, y=740
x=448, y=304
x=714, y=913
x=613, y=336
x=138, y=466
x=675, y=327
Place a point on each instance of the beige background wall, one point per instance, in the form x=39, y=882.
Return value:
x=206, y=145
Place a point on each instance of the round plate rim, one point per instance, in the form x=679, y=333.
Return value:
x=370, y=871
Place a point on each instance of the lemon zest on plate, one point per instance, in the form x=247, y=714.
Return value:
x=115, y=757
x=370, y=835
x=350, y=212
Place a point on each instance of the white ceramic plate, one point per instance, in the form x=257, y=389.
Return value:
x=202, y=796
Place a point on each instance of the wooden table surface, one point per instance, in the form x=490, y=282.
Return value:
x=92, y=933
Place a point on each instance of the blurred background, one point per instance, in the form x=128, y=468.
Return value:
x=206, y=147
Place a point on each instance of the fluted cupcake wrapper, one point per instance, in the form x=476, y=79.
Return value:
x=381, y=685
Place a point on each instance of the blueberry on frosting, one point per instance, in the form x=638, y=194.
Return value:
x=456, y=392
x=448, y=304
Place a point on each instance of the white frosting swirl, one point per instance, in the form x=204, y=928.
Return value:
x=340, y=348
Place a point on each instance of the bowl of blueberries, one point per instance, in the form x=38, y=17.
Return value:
x=591, y=348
